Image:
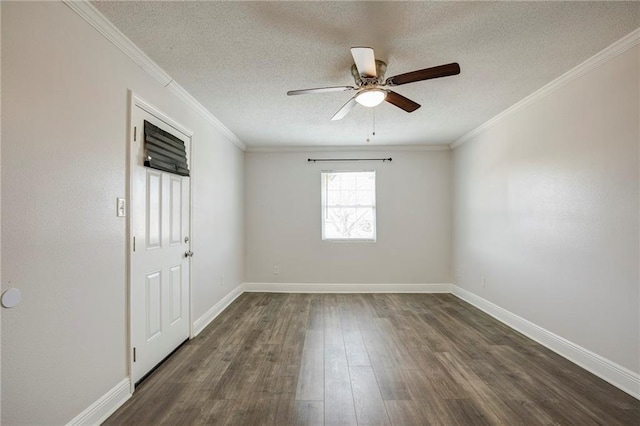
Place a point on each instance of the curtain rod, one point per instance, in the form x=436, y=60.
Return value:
x=313, y=160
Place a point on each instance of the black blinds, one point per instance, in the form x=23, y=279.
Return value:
x=163, y=151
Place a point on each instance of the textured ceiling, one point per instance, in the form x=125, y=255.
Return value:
x=240, y=58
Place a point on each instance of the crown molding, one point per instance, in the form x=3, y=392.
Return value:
x=605, y=55
x=100, y=23
x=349, y=148
x=186, y=97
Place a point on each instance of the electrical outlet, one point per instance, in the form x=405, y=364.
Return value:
x=483, y=281
x=276, y=270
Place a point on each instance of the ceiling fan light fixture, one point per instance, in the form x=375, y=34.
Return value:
x=371, y=97
x=368, y=74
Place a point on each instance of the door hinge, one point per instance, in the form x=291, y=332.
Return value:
x=134, y=354
x=135, y=133
x=134, y=243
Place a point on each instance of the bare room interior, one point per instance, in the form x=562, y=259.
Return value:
x=320, y=213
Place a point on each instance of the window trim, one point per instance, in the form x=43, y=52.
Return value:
x=323, y=206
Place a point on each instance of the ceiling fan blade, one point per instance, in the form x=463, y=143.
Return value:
x=401, y=102
x=365, y=61
x=344, y=110
x=425, y=74
x=320, y=90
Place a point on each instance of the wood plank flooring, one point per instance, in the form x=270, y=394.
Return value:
x=369, y=359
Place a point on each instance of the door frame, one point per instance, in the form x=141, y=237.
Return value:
x=136, y=101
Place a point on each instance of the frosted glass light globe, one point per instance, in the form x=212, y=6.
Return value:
x=371, y=97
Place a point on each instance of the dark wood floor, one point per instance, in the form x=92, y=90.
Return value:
x=346, y=359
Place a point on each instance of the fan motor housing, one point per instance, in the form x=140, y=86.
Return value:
x=381, y=69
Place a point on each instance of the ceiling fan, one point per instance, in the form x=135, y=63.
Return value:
x=368, y=73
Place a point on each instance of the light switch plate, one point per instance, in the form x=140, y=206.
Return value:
x=121, y=209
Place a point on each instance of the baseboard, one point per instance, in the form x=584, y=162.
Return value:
x=108, y=403
x=100, y=410
x=619, y=376
x=345, y=288
x=202, y=322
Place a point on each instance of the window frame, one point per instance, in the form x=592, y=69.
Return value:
x=323, y=207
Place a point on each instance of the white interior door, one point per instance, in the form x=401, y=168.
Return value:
x=159, y=289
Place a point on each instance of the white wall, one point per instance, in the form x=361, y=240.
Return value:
x=283, y=220
x=0, y=210
x=218, y=203
x=65, y=114
x=546, y=208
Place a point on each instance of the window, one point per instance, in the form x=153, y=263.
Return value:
x=349, y=206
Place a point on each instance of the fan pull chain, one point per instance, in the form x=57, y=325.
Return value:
x=368, y=133
x=374, y=121
x=373, y=126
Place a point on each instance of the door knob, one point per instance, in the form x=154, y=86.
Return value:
x=188, y=253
